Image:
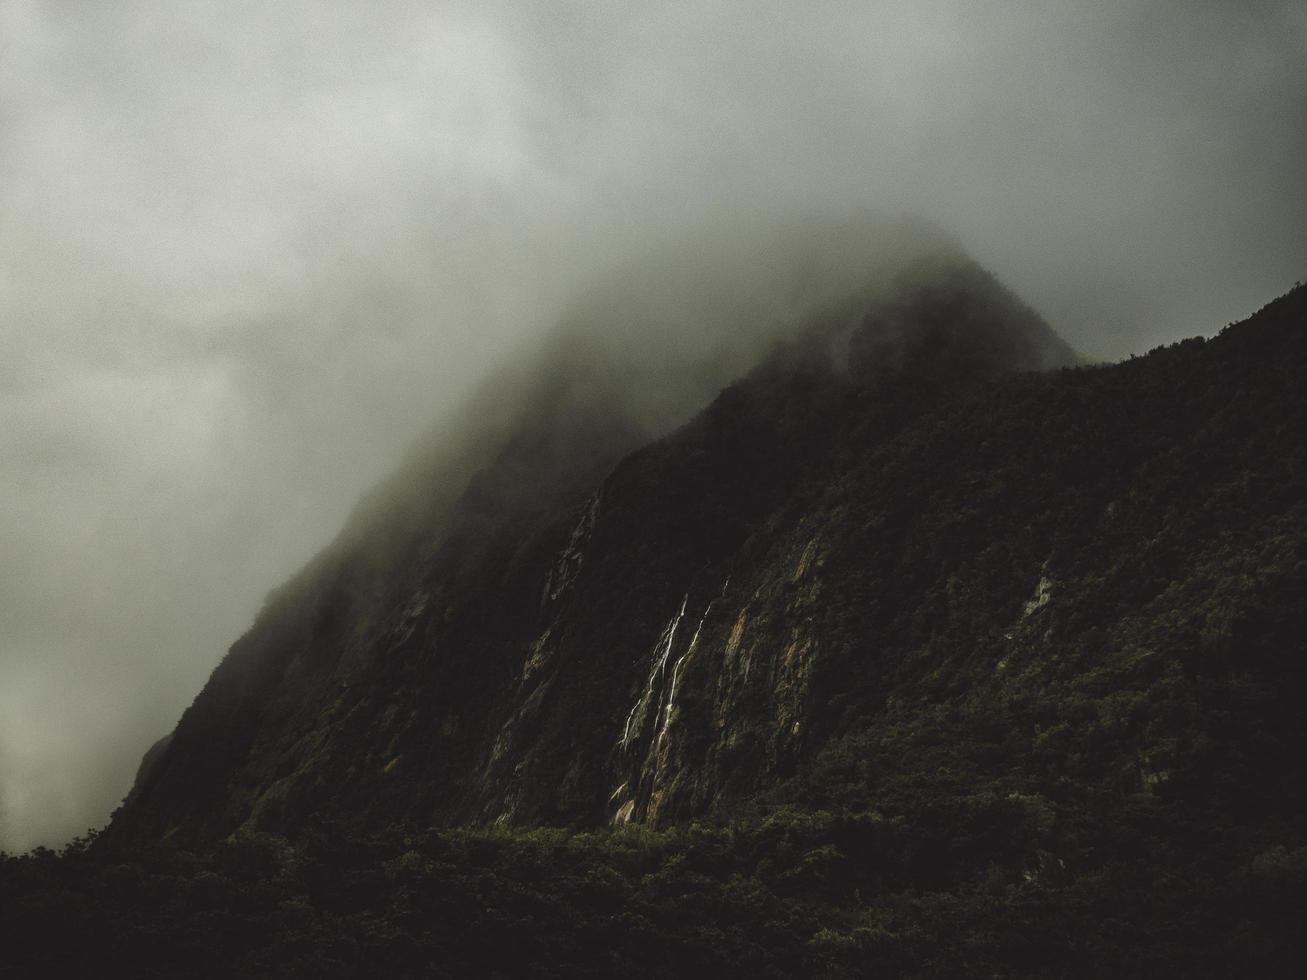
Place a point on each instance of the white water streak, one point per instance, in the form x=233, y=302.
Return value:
x=676, y=676
x=659, y=668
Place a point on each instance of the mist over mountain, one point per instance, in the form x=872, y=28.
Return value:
x=458, y=533
x=917, y=621
x=653, y=339
x=591, y=488
x=249, y=253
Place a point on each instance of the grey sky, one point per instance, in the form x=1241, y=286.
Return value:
x=249, y=250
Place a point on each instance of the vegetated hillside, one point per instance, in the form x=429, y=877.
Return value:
x=891, y=662
x=519, y=665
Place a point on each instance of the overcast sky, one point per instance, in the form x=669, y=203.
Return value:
x=249, y=249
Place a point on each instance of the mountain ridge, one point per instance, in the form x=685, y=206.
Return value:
x=817, y=368
x=875, y=666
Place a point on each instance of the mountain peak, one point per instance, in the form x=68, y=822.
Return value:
x=426, y=616
x=947, y=317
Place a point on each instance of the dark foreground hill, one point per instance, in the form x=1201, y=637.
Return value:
x=901, y=658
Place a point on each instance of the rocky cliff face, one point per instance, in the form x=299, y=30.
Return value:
x=888, y=536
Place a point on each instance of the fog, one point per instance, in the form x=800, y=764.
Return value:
x=249, y=251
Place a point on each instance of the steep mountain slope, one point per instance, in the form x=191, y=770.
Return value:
x=496, y=666
x=899, y=659
x=866, y=547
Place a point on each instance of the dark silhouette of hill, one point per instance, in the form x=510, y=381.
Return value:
x=919, y=651
x=486, y=668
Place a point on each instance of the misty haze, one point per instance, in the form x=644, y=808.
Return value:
x=666, y=488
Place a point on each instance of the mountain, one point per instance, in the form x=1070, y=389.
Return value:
x=887, y=639
x=520, y=662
